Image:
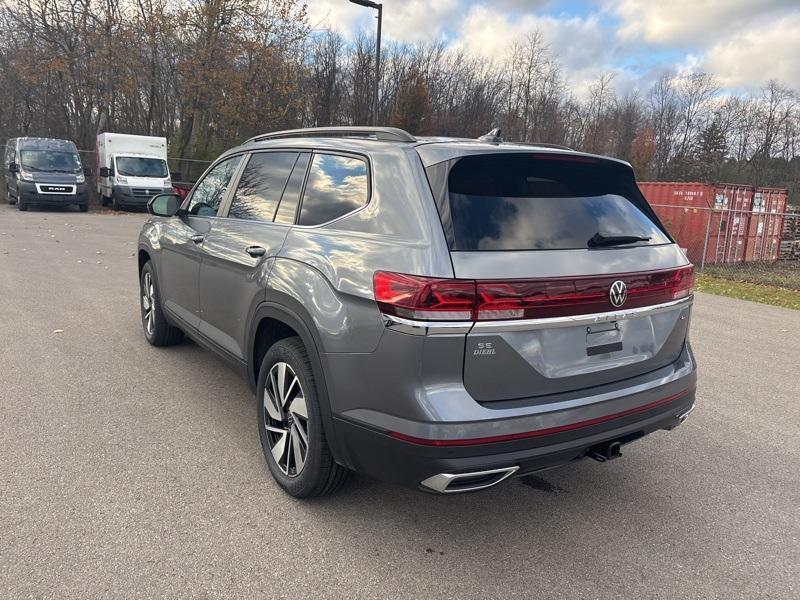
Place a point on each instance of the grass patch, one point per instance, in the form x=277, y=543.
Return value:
x=782, y=274
x=745, y=290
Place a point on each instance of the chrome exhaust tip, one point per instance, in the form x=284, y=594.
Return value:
x=447, y=483
x=683, y=416
x=679, y=419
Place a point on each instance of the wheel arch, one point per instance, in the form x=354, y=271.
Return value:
x=273, y=321
x=143, y=257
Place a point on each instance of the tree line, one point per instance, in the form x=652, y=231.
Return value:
x=207, y=74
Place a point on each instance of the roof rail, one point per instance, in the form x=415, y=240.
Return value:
x=383, y=134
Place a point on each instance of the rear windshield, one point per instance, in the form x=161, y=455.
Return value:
x=527, y=201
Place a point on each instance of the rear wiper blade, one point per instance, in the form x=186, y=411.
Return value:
x=599, y=240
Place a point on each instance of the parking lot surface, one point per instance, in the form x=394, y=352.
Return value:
x=130, y=471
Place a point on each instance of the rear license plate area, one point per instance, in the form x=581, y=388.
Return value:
x=603, y=339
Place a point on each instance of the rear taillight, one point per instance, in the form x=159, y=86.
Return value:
x=434, y=299
x=424, y=298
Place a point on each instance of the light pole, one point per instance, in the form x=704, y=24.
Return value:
x=379, y=8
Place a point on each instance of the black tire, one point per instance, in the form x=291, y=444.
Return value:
x=104, y=200
x=9, y=198
x=83, y=207
x=160, y=333
x=115, y=204
x=320, y=474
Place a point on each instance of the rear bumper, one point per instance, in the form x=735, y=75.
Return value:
x=403, y=414
x=410, y=462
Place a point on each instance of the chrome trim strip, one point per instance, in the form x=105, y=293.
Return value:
x=571, y=321
x=440, y=483
x=413, y=327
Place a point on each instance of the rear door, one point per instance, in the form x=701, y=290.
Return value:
x=569, y=263
x=238, y=249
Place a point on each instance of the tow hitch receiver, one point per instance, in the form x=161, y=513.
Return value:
x=605, y=451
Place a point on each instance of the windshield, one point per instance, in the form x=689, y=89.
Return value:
x=543, y=202
x=136, y=166
x=49, y=161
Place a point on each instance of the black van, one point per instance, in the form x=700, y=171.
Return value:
x=45, y=171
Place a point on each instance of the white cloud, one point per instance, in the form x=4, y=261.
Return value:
x=336, y=14
x=521, y=5
x=418, y=20
x=576, y=41
x=691, y=22
x=581, y=45
x=403, y=20
x=754, y=55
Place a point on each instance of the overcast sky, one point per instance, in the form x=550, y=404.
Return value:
x=742, y=42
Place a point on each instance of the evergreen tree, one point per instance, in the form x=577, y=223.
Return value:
x=712, y=148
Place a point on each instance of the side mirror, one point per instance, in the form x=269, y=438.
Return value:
x=87, y=171
x=106, y=172
x=13, y=168
x=164, y=205
x=177, y=176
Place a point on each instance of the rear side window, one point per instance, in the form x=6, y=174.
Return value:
x=261, y=186
x=525, y=201
x=336, y=185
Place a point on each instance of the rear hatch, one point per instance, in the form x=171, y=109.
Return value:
x=568, y=262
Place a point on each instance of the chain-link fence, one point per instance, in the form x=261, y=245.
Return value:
x=755, y=245
x=730, y=230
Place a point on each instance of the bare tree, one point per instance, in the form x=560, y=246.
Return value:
x=664, y=119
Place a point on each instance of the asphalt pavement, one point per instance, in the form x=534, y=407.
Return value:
x=128, y=471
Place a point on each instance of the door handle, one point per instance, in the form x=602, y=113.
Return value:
x=256, y=251
x=197, y=238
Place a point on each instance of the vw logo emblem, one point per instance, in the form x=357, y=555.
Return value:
x=618, y=293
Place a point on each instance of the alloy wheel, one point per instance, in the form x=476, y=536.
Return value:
x=286, y=419
x=148, y=304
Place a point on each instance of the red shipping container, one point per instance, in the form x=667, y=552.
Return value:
x=684, y=210
x=692, y=211
x=730, y=223
x=766, y=224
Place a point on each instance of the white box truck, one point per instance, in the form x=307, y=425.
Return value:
x=131, y=169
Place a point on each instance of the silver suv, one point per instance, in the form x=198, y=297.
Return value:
x=435, y=312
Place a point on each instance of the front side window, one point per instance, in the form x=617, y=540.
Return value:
x=209, y=193
x=336, y=186
x=261, y=186
x=49, y=161
x=137, y=166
